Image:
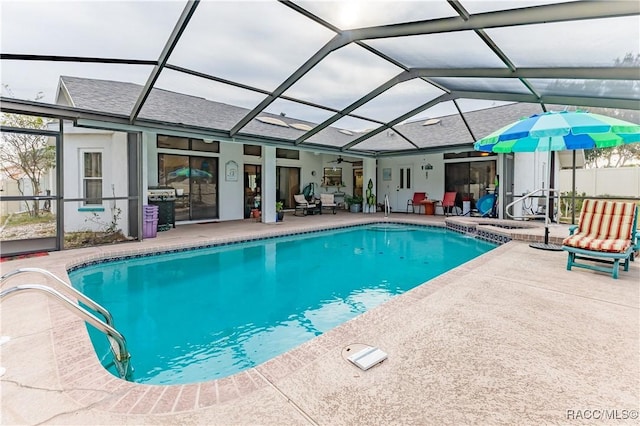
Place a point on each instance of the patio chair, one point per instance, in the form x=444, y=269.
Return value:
x=303, y=205
x=449, y=202
x=327, y=202
x=607, y=233
x=415, y=201
x=485, y=205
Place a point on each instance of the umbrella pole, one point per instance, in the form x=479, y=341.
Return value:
x=545, y=245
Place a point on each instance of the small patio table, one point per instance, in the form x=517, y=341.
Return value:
x=429, y=206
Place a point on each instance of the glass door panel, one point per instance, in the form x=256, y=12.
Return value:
x=195, y=180
x=173, y=171
x=481, y=180
x=470, y=180
x=287, y=185
x=252, y=178
x=358, y=183
x=203, y=188
x=456, y=178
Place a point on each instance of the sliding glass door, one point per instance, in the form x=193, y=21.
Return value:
x=470, y=180
x=195, y=180
x=287, y=185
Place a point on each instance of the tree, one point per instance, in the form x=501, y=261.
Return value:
x=24, y=155
x=615, y=156
x=612, y=157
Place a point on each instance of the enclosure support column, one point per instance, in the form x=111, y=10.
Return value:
x=268, y=185
x=369, y=172
x=60, y=187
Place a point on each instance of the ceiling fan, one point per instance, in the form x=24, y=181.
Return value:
x=340, y=160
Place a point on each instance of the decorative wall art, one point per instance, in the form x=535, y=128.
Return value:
x=231, y=171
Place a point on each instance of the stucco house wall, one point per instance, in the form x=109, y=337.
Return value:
x=113, y=146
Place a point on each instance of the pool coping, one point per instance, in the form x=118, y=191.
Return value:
x=90, y=384
x=179, y=248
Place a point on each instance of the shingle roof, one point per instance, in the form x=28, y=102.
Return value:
x=170, y=107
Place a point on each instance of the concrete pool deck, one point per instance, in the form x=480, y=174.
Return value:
x=511, y=337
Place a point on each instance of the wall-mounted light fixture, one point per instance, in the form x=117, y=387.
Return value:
x=426, y=167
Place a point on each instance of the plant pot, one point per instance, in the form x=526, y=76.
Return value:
x=279, y=216
x=355, y=208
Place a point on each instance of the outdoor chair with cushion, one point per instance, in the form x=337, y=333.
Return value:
x=607, y=233
x=415, y=201
x=449, y=203
x=327, y=202
x=303, y=205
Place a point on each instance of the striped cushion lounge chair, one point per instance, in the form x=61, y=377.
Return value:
x=607, y=233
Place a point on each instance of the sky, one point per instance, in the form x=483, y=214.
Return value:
x=260, y=43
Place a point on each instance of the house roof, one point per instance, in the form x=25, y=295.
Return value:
x=165, y=106
x=362, y=80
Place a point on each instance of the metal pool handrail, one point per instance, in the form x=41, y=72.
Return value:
x=122, y=355
x=509, y=207
x=66, y=289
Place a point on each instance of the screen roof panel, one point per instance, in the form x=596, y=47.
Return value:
x=257, y=43
x=212, y=90
x=462, y=49
x=86, y=28
x=220, y=61
x=389, y=140
x=401, y=98
x=342, y=132
x=360, y=13
x=618, y=89
x=44, y=77
x=475, y=6
x=596, y=42
x=303, y=113
x=500, y=85
x=343, y=77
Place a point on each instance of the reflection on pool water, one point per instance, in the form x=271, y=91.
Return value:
x=204, y=314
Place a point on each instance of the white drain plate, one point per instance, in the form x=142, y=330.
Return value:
x=368, y=357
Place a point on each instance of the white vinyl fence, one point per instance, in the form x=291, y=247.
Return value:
x=621, y=182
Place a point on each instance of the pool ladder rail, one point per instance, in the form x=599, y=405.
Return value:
x=118, y=344
x=387, y=206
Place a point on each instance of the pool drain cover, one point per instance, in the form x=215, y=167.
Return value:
x=367, y=357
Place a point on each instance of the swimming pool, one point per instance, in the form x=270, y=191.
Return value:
x=204, y=314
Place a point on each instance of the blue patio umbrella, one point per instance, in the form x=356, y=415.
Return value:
x=557, y=131
x=187, y=172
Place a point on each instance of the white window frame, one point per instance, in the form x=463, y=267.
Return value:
x=84, y=178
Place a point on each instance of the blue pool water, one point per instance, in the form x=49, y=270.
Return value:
x=209, y=313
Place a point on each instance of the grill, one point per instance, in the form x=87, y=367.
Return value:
x=161, y=194
x=165, y=199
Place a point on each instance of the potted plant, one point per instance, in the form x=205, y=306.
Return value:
x=370, y=198
x=354, y=202
x=279, y=211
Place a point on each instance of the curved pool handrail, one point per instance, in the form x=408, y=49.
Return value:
x=122, y=355
x=67, y=288
x=532, y=194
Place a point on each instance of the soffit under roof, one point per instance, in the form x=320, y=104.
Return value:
x=363, y=76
